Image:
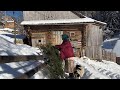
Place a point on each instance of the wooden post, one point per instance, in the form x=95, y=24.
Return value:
x=14, y=32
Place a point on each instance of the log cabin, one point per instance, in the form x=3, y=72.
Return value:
x=43, y=27
x=9, y=22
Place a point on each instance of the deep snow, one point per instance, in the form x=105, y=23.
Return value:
x=99, y=70
x=7, y=47
x=93, y=68
x=16, y=69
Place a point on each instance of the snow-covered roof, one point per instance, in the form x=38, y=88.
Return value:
x=7, y=46
x=112, y=45
x=62, y=21
x=16, y=69
x=8, y=29
x=9, y=21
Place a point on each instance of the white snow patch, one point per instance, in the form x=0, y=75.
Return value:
x=15, y=69
x=7, y=47
x=60, y=21
x=99, y=70
x=7, y=29
x=39, y=75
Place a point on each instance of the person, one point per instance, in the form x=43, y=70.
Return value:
x=66, y=54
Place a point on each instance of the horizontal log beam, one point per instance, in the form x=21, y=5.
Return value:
x=30, y=73
x=8, y=59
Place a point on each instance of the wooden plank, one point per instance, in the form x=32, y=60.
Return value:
x=110, y=56
x=118, y=60
x=8, y=59
x=30, y=73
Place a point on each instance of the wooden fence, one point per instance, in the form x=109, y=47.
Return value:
x=28, y=74
x=107, y=55
x=94, y=52
x=97, y=53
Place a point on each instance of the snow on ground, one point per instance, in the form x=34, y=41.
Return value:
x=42, y=74
x=7, y=47
x=93, y=69
x=16, y=69
x=99, y=70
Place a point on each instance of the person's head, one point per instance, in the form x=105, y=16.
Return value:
x=65, y=37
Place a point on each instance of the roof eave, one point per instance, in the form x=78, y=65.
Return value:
x=100, y=23
x=61, y=23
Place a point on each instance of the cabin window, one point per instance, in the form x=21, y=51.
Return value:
x=72, y=34
x=39, y=40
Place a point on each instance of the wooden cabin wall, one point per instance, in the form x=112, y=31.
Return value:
x=94, y=39
x=53, y=34
x=48, y=15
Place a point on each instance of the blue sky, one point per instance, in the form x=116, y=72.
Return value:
x=15, y=14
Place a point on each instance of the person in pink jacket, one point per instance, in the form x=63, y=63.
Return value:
x=66, y=54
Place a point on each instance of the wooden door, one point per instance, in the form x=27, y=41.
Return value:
x=56, y=37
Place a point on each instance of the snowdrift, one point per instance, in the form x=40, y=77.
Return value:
x=9, y=48
x=99, y=70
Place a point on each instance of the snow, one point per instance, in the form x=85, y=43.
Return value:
x=99, y=70
x=112, y=45
x=93, y=69
x=61, y=21
x=7, y=46
x=7, y=29
x=42, y=74
x=9, y=21
x=117, y=48
x=113, y=39
x=16, y=69
x=7, y=38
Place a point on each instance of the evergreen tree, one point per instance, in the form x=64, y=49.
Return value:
x=55, y=62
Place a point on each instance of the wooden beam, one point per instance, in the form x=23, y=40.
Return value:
x=30, y=73
x=8, y=59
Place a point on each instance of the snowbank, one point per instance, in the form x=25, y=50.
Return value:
x=7, y=47
x=93, y=69
x=99, y=70
x=16, y=69
x=42, y=74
